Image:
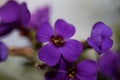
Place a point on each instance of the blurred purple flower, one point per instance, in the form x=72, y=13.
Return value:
x=39, y=16
x=100, y=37
x=3, y=52
x=109, y=64
x=59, y=42
x=85, y=70
x=13, y=15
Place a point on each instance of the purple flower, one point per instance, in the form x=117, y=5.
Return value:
x=13, y=15
x=85, y=70
x=100, y=38
x=3, y=52
x=110, y=65
x=59, y=43
x=39, y=16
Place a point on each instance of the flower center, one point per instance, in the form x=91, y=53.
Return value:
x=57, y=41
x=71, y=72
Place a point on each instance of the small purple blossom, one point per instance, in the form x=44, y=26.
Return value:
x=3, y=52
x=59, y=42
x=39, y=16
x=85, y=70
x=13, y=15
x=100, y=38
x=110, y=65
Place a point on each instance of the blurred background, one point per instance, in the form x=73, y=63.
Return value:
x=83, y=14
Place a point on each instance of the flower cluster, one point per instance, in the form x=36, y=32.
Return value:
x=59, y=46
x=58, y=51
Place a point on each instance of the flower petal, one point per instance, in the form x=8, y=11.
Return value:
x=5, y=29
x=25, y=14
x=63, y=66
x=96, y=30
x=94, y=45
x=41, y=15
x=64, y=29
x=107, y=63
x=71, y=50
x=118, y=59
x=9, y=12
x=96, y=36
x=105, y=30
x=3, y=52
x=44, y=33
x=87, y=70
x=52, y=75
x=106, y=44
x=49, y=54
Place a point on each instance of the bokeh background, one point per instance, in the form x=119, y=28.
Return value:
x=81, y=13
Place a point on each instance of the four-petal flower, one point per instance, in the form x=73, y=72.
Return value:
x=100, y=38
x=59, y=43
x=85, y=70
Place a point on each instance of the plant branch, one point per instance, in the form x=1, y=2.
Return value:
x=25, y=52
